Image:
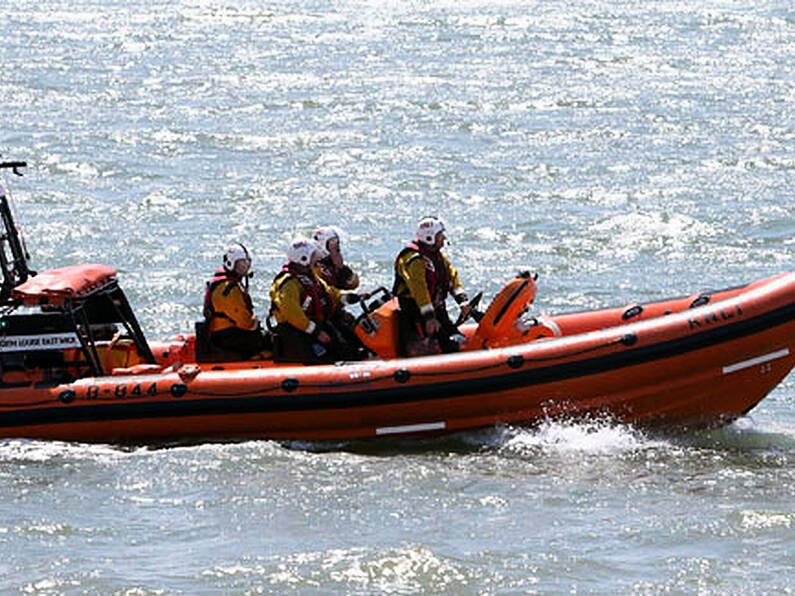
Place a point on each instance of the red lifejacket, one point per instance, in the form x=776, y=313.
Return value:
x=338, y=277
x=437, y=277
x=313, y=292
x=222, y=276
x=328, y=272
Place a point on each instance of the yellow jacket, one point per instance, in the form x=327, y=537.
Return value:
x=292, y=303
x=411, y=279
x=231, y=307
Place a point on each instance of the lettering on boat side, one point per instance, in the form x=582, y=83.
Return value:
x=46, y=341
x=715, y=317
x=360, y=375
x=120, y=391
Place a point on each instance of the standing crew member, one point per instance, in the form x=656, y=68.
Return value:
x=332, y=268
x=303, y=305
x=424, y=277
x=228, y=310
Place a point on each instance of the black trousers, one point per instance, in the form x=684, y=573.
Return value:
x=247, y=343
x=292, y=345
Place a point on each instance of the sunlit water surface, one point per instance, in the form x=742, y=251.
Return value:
x=623, y=150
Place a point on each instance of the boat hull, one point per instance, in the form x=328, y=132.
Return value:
x=704, y=365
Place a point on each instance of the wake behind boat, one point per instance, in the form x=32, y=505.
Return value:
x=75, y=365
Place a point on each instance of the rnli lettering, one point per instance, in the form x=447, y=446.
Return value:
x=49, y=341
x=715, y=317
x=121, y=391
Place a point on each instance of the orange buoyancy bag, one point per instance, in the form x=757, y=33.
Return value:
x=500, y=320
x=378, y=331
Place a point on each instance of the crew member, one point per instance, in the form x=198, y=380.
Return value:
x=424, y=277
x=331, y=267
x=228, y=310
x=303, y=307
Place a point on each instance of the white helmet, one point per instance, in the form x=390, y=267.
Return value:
x=323, y=236
x=233, y=254
x=300, y=251
x=428, y=228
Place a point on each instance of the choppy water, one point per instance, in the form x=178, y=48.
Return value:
x=624, y=150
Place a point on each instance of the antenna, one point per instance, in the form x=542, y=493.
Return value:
x=13, y=256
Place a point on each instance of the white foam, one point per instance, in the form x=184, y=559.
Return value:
x=591, y=437
x=21, y=450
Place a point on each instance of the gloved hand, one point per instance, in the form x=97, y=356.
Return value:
x=432, y=326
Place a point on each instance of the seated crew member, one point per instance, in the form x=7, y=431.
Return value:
x=228, y=310
x=332, y=268
x=303, y=306
x=424, y=277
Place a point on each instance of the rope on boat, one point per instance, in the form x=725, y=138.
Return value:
x=518, y=360
x=401, y=375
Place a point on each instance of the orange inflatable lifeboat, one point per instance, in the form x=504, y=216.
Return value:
x=65, y=375
x=75, y=365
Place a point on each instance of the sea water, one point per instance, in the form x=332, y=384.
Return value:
x=624, y=151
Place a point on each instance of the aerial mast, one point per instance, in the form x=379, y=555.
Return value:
x=14, y=256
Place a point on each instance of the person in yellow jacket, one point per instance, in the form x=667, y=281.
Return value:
x=424, y=277
x=228, y=310
x=304, y=308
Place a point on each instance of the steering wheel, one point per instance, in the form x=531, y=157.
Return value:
x=472, y=311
